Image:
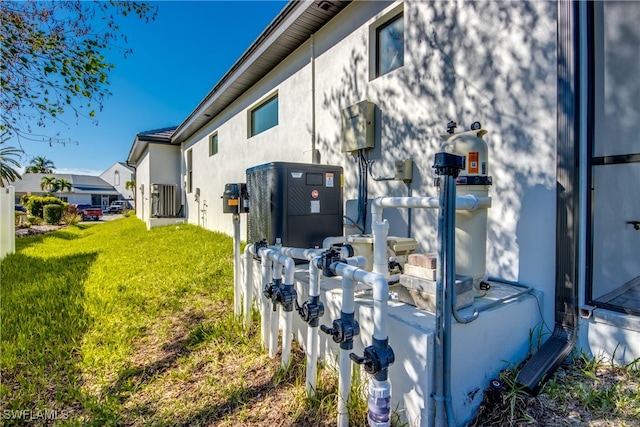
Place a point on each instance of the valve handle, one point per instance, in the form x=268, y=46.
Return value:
x=327, y=330
x=358, y=359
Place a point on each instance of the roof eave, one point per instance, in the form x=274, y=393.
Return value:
x=211, y=105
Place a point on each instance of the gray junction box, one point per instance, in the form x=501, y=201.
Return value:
x=299, y=203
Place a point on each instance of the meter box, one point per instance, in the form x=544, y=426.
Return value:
x=358, y=126
x=298, y=203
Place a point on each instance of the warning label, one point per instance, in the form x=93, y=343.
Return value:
x=329, y=180
x=473, y=162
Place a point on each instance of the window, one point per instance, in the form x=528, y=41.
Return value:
x=116, y=178
x=264, y=117
x=213, y=144
x=390, y=45
x=189, y=170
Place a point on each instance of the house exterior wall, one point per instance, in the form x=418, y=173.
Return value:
x=489, y=61
x=158, y=164
x=125, y=174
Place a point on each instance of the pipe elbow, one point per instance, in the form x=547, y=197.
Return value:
x=380, y=288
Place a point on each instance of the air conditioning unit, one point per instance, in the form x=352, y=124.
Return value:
x=164, y=200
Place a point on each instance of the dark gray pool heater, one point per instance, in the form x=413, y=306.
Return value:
x=298, y=203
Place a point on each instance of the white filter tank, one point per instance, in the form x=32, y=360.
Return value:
x=471, y=226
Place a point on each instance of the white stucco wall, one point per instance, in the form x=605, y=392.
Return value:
x=158, y=164
x=125, y=174
x=489, y=61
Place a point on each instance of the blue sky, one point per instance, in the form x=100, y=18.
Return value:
x=176, y=61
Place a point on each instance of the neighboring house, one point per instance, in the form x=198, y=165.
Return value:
x=117, y=175
x=157, y=167
x=85, y=189
x=549, y=83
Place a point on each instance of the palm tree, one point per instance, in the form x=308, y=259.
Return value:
x=40, y=164
x=7, y=162
x=131, y=185
x=63, y=185
x=49, y=183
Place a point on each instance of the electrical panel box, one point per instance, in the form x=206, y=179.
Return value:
x=404, y=170
x=358, y=124
x=298, y=203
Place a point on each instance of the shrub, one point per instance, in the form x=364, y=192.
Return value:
x=52, y=213
x=70, y=215
x=33, y=220
x=35, y=204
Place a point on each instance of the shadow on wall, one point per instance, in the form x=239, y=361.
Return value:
x=489, y=61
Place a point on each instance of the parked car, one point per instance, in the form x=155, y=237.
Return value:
x=88, y=212
x=118, y=206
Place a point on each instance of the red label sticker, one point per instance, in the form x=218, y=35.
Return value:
x=314, y=194
x=473, y=162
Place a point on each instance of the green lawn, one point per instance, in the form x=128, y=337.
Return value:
x=111, y=324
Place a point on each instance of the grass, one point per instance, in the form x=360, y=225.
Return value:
x=111, y=324
x=584, y=391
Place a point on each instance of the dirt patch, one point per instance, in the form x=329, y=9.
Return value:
x=36, y=230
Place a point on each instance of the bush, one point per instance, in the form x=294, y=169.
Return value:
x=70, y=215
x=33, y=220
x=52, y=213
x=35, y=204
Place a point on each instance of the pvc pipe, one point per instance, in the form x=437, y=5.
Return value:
x=330, y=241
x=236, y=269
x=287, y=336
x=380, y=294
x=312, y=331
x=380, y=231
x=344, y=386
x=275, y=311
x=467, y=202
x=249, y=251
x=265, y=310
x=344, y=381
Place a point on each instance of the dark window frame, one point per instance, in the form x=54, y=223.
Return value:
x=378, y=45
x=264, y=107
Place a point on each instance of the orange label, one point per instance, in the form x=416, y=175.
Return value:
x=473, y=162
x=232, y=202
